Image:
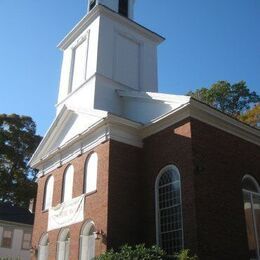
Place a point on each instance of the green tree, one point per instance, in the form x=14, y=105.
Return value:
x=138, y=252
x=252, y=116
x=233, y=99
x=18, y=141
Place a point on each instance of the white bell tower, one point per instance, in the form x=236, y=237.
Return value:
x=105, y=52
x=123, y=7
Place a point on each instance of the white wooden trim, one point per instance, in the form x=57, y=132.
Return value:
x=96, y=12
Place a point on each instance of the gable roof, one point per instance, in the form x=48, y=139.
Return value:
x=69, y=123
x=75, y=131
x=15, y=214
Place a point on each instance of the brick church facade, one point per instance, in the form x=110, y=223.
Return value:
x=122, y=163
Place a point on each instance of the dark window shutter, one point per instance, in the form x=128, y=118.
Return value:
x=123, y=7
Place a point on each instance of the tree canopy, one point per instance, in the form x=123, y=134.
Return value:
x=233, y=99
x=18, y=141
x=252, y=116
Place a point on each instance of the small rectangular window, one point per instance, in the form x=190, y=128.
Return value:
x=26, y=243
x=123, y=7
x=92, y=4
x=7, y=238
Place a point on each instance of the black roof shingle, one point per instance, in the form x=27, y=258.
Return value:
x=15, y=214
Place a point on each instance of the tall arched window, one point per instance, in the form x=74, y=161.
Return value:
x=68, y=183
x=48, y=193
x=87, y=241
x=169, y=210
x=91, y=173
x=63, y=247
x=43, y=252
x=251, y=195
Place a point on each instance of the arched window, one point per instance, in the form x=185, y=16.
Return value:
x=169, y=210
x=63, y=247
x=43, y=252
x=87, y=241
x=91, y=173
x=251, y=195
x=68, y=183
x=48, y=193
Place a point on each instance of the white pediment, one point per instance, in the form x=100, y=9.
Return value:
x=67, y=125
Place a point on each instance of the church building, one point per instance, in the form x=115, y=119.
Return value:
x=122, y=163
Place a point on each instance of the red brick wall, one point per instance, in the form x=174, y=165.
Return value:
x=221, y=160
x=211, y=164
x=170, y=146
x=95, y=204
x=124, y=223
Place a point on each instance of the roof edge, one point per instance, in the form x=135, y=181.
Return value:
x=95, y=12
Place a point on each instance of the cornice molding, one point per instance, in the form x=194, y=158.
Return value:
x=153, y=97
x=112, y=127
x=213, y=117
x=15, y=225
x=166, y=120
x=96, y=12
x=207, y=115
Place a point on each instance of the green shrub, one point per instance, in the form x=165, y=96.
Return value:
x=138, y=252
x=185, y=255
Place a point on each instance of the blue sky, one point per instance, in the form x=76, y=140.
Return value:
x=206, y=41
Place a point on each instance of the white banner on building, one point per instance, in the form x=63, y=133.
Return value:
x=67, y=213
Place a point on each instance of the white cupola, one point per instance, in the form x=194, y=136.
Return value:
x=123, y=7
x=106, y=52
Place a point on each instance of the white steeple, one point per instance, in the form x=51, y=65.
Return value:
x=106, y=52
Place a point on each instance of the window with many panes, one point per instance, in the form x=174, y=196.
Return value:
x=169, y=210
x=26, y=243
x=7, y=238
x=251, y=195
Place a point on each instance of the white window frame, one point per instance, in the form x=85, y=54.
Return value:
x=26, y=232
x=88, y=173
x=43, y=252
x=48, y=193
x=251, y=193
x=84, y=236
x=157, y=208
x=12, y=236
x=65, y=184
x=63, y=243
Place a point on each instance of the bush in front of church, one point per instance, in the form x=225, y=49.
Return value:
x=137, y=252
x=140, y=252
